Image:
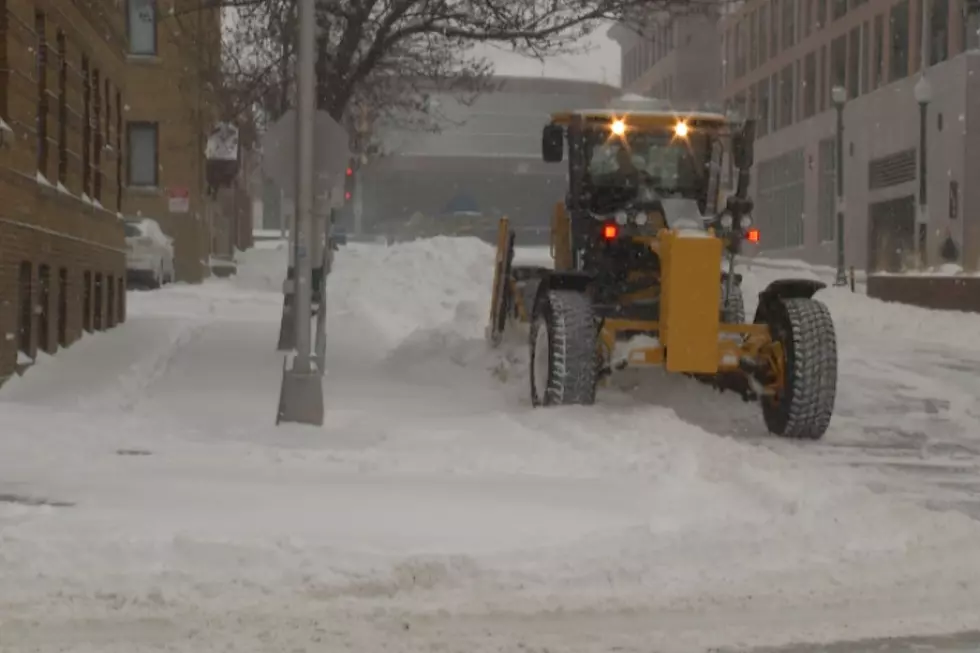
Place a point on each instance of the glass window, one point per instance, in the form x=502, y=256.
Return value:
x=763, y=34
x=839, y=9
x=789, y=23
x=878, y=62
x=810, y=85
x=939, y=32
x=838, y=62
x=854, y=64
x=142, y=24
x=774, y=29
x=899, y=19
x=786, y=96
x=866, y=65
x=821, y=13
x=142, y=140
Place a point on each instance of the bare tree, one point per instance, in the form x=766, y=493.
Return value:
x=383, y=59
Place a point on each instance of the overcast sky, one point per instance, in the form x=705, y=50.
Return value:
x=601, y=64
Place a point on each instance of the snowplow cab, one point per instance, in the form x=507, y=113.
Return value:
x=643, y=253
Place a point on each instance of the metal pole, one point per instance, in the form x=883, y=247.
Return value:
x=841, y=279
x=305, y=107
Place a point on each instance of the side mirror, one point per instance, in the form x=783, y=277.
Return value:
x=743, y=146
x=553, y=143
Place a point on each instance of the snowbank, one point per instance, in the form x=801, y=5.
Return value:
x=433, y=493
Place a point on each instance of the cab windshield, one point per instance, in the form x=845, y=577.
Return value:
x=670, y=165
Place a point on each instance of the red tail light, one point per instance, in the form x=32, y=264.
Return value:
x=752, y=235
x=610, y=231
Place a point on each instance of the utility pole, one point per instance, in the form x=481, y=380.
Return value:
x=301, y=396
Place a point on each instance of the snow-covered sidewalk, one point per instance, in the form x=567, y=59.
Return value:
x=436, y=507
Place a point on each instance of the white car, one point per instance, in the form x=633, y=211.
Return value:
x=149, y=253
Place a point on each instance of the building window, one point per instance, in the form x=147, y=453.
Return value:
x=899, y=68
x=807, y=18
x=753, y=41
x=839, y=9
x=62, y=108
x=789, y=23
x=786, y=97
x=939, y=32
x=866, y=57
x=119, y=151
x=142, y=139
x=97, y=144
x=774, y=28
x=44, y=312
x=98, y=315
x=87, y=301
x=826, y=189
x=41, y=63
x=854, y=64
x=838, y=62
x=763, y=103
x=781, y=195
x=878, y=65
x=810, y=85
x=86, y=128
x=108, y=115
x=763, y=34
x=142, y=26
x=822, y=90
x=821, y=13
x=110, y=301
x=63, y=307
x=26, y=327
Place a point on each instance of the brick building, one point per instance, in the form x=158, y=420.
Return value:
x=172, y=47
x=70, y=100
x=779, y=61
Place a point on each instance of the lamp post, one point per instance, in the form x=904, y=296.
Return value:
x=839, y=95
x=923, y=95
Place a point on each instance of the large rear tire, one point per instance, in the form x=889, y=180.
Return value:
x=563, y=350
x=805, y=404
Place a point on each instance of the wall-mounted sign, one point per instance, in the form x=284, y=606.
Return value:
x=178, y=200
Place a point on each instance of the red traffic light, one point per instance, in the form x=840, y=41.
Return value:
x=350, y=171
x=347, y=195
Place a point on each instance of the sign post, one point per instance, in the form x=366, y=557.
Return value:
x=304, y=150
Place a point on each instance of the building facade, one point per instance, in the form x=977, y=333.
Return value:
x=71, y=106
x=780, y=61
x=672, y=58
x=484, y=163
x=784, y=58
x=173, y=48
x=62, y=257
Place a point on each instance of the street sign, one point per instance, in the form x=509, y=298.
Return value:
x=330, y=150
x=178, y=199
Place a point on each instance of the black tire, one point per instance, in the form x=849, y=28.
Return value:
x=805, y=405
x=569, y=374
x=732, y=305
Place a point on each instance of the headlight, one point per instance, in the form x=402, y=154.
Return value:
x=641, y=219
x=726, y=221
x=745, y=222
x=622, y=217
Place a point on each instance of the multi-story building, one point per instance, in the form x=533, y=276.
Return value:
x=673, y=58
x=79, y=137
x=785, y=58
x=173, y=48
x=780, y=61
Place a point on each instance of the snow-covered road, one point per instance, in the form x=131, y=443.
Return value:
x=147, y=501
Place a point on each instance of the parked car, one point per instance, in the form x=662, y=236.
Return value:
x=149, y=253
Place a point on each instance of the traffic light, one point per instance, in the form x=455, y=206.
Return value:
x=349, y=182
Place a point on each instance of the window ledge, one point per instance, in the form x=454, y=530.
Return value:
x=154, y=191
x=147, y=59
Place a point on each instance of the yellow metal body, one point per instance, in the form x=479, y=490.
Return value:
x=690, y=297
x=561, y=238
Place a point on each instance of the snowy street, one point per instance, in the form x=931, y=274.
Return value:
x=161, y=509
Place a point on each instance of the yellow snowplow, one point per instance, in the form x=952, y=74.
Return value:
x=643, y=252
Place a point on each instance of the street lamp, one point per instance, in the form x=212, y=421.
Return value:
x=839, y=96
x=923, y=95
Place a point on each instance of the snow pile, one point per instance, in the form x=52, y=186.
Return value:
x=433, y=493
